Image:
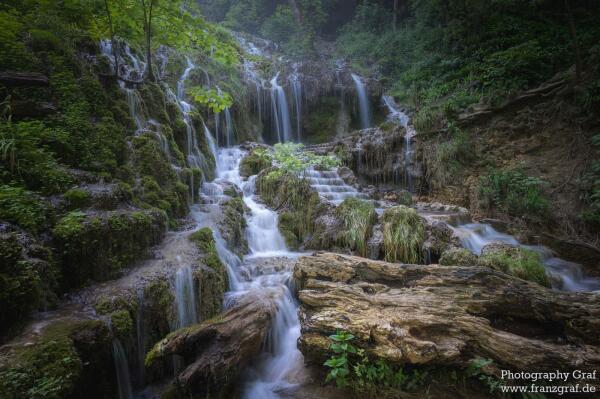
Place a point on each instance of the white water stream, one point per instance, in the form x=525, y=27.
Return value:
x=363, y=103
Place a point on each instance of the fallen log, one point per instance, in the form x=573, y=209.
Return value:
x=444, y=315
x=215, y=351
x=13, y=79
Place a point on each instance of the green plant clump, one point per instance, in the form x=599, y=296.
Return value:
x=403, y=235
x=514, y=193
x=358, y=217
x=519, y=262
x=351, y=367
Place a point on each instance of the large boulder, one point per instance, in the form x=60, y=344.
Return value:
x=443, y=315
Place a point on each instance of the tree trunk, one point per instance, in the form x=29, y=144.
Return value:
x=395, y=15
x=113, y=42
x=148, y=9
x=575, y=41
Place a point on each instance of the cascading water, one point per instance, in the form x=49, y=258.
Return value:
x=396, y=115
x=122, y=370
x=363, y=102
x=280, y=111
x=331, y=186
x=229, y=127
x=297, y=93
x=567, y=276
x=194, y=155
x=185, y=297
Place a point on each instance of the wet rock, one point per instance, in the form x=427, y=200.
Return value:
x=375, y=243
x=233, y=225
x=70, y=356
x=217, y=350
x=347, y=175
x=439, y=238
x=443, y=315
x=458, y=257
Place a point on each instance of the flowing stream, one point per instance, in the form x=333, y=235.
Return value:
x=280, y=111
x=564, y=275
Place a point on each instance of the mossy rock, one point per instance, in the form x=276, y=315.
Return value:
x=212, y=279
x=458, y=257
x=403, y=235
x=28, y=277
x=233, y=225
x=70, y=359
x=358, y=218
x=516, y=261
x=255, y=162
x=97, y=246
x=297, y=202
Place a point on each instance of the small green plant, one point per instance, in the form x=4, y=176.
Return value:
x=351, y=367
x=475, y=369
x=22, y=207
x=358, y=217
x=292, y=158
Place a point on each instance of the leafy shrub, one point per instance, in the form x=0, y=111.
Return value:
x=254, y=162
x=513, y=192
x=351, y=367
x=22, y=207
x=77, y=198
x=291, y=158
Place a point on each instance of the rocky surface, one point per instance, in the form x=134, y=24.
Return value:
x=217, y=350
x=441, y=315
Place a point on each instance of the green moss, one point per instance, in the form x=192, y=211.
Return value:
x=357, y=217
x=205, y=241
x=254, y=162
x=458, y=257
x=233, y=225
x=54, y=366
x=122, y=324
x=403, y=235
x=519, y=262
x=97, y=246
x=295, y=199
x=77, y=198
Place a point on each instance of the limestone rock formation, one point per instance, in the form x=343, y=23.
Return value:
x=444, y=316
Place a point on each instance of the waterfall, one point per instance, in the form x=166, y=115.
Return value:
x=396, y=115
x=122, y=370
x=140, y=337
x=185, y=297
x=229, y=127
x=280, y=111
x=264, y=238
x=297, y=93
x=211, y=142
x=195, y=157
x=363, y=102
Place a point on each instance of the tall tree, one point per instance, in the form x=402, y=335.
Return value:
x=148, y=10
x=113, y=42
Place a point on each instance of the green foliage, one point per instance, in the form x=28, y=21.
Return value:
x=291, y=158
x=476, y=369
x=447, y=157
x=589, y=189
x=358, y=217
x=22, y=207
x=214, y=100
x=254, y=162
x=351, y=367
x=403, y=235
x=519, y=262
x=514, y=193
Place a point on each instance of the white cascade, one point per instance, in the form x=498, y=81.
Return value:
x=280, y=111
x=185, y=297
x=398, y=116
x=363, y=102
x=331, y=186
